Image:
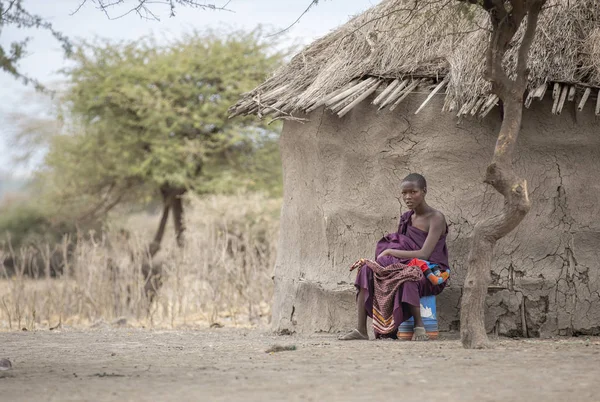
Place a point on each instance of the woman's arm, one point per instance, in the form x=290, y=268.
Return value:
x=436, y=229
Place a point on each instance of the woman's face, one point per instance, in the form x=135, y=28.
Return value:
x=412, y=194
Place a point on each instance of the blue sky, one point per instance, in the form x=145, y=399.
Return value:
x=45, y=57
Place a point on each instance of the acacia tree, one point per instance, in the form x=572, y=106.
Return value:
x=145, y=119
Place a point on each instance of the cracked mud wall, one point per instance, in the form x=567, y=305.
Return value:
x=341, y=180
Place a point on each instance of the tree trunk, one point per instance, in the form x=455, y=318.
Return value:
x=500, y=173
x=155, y=245
x=178, y=220
x=501, y=176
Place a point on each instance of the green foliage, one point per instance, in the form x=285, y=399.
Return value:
x=142, y=116
x=29, y=224
x=256, y=169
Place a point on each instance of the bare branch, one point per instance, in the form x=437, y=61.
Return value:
x=495, y=72
x=78, y=8
x=12, y=3
x=143, y=7
x=311, y=5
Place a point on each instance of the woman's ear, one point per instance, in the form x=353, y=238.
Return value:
x=425, y=190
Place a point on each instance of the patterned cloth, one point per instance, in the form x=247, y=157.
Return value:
x=387, y=281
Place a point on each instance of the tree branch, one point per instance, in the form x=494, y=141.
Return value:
x=518, y=8
x=311, y=5
x=523, y=55
x=3, y=13
x=143, y=10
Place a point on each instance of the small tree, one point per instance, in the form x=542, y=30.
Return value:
x=145, y=118
x=506, y=18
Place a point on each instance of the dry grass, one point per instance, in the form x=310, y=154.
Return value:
x=222, y=276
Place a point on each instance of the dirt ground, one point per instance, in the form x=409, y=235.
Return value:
x=231, y=364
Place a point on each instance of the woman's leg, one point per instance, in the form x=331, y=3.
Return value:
x=361, y=324
x=419, y=332
x=425, y=288
x=360, y=332
x=410, y=297
x=416, y=313
x=364, y=286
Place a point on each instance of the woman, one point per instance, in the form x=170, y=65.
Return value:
x=421, y=235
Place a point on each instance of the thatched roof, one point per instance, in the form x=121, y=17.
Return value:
x=398, y=47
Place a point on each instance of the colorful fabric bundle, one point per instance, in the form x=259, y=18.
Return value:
x=431, y=271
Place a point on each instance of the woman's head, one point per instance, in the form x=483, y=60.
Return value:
x=414, y=188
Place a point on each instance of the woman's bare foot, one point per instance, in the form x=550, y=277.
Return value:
x=354, y=335
x=420, y=334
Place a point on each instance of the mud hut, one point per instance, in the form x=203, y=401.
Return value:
x=400, y=89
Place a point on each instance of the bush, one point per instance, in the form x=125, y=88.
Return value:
x=24, y=223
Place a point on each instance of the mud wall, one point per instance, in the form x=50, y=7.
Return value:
x=341, y=180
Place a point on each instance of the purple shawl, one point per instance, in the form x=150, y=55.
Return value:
x=410, y=238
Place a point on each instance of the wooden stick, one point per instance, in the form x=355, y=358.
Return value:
x=492, y=100
x=536, y=93
x=466, y=108
x=541, y=91
x=406, y=93
x=435, y=91
x=490, y=104
x=394, y=94
x=326, y=98
x=386, y=91
x=361, y=98
x=470, y=105
x=275, y=92
x=241, y=109
x=463, y=109
x=246, y=103
x=525, y=332
x=584, y=99
x=571, y=96
x=273, y=108
x=563, y=96
x=598, y=105
x=343, y=103
x=556, y=91
x=556, y=98
x=286, y=109
x=529, y=99
x=350, y=91
x=477, y=106
x=253, y=109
